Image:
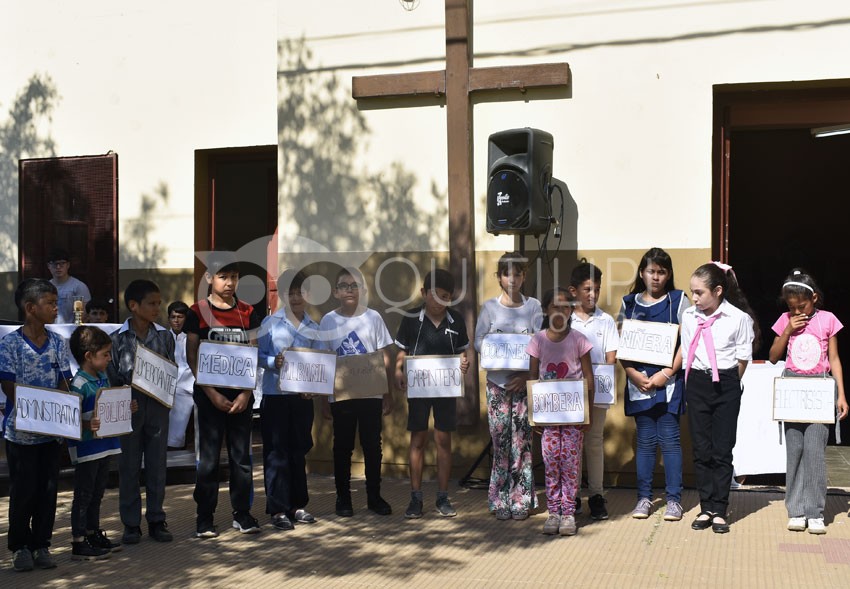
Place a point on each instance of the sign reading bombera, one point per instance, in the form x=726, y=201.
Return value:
x=648, y=342
x=48, y=412
x=113, y=406
x=228, y=366
x=308, y=371
x=505, y=351
x=155, y=375
x=433, y=376
x=804, y=400
x=558, y=402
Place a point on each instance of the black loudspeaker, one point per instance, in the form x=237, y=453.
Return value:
x=520, y=170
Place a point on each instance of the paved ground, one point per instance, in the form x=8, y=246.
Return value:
x=471, y=550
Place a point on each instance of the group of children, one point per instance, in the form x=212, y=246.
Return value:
x=569, y=334
x=718, y=335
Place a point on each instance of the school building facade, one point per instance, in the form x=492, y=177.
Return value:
x=683, y=125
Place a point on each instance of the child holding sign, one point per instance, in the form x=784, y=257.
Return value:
x=654, y=394
x=92, y=349
x=718, y=334
x=32, y=356
x=598, y=327
x=559, y=352
x=511, y=492
x=149, y=437
x=352, y=329
x=431, y=329
x=287, y=417
x=222, y=412
x=809, y=335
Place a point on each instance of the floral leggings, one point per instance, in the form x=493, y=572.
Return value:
x=511, y=481
x=561, y=446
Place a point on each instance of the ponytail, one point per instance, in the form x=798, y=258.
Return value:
x=717, y=274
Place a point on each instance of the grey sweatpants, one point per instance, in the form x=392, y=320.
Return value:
x=805, y=480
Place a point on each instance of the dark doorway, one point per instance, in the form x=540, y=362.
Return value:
x=236, y=206
x=782, y=198
x=71, y=203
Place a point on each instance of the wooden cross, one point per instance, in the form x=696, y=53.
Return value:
x=457, y=83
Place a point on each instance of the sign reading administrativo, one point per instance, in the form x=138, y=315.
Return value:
x=48, y=412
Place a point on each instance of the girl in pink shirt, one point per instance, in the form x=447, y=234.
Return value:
x=559, y=352
x=807, y=332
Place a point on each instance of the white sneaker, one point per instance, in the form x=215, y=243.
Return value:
x=553, y=522
x=816, y=525
x=797, y=524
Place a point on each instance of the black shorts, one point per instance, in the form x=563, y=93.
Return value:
x=445, y=414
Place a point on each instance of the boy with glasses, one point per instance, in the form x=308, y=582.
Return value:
x=68, y=287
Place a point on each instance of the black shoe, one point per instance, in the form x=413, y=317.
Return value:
x=85, y=550
x=578, y=505
x=245, y=523
x=702, y=524
x=281, y=522
x=414, y=510
x=302, y=516
x=377, y=504
x=597, y=507
x=159, y=532
x=99, y=540
x=719, y=527
x=343, y=506
x=132, y=535
x=205, y=527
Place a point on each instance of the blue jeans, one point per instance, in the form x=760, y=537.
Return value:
x=656, y=427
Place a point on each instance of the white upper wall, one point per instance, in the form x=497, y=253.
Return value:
x=152, y=81
x=633, y=143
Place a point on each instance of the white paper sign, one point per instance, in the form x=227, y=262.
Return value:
x=112, y=407
x=307, y=371
x=558, y=402
x=605, y=390
x=505, y=351
x=757, y=445
x=433, y=376
x=227, y=365
x=48, y=412
x=804, y=400
x=155, y=375
x=648, y=342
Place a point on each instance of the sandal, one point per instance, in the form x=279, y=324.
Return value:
x=702, y=524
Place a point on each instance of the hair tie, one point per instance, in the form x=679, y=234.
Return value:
x=803, y=284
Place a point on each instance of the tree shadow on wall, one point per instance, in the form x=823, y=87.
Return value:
x=22, y=136
x=326, y=194
x=138, y=249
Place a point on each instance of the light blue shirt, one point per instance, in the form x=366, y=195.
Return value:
x=277, y=334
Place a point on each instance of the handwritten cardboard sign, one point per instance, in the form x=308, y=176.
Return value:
x=155, y=375
x=804, y=400
x=505, y=351
x=433, y=376
x=648, y=342
x=112, y=407
x=360, y=376
x=227, y=365
x=48, y=412
x=605, y=389
x=558, y=402
x=307, y=371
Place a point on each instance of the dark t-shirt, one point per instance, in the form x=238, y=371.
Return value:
x=418, y=336
x=235, y=324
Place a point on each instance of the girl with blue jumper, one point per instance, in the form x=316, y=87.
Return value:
x=806, y=336
x=654, y=394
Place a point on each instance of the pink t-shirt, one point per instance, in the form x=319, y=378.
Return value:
x=808, y=347
x=559, y=359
